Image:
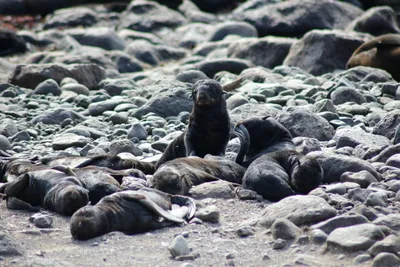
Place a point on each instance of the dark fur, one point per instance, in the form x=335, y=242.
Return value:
x=179, y=175
x=128, y=211
x=275, y=170
x=208, y=128
x=381, y=52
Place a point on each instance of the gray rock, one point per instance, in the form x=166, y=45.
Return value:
x=392, y=221
x=4, y=143
x=20, y=136
x=137, y=130
x=245, y=231
x=103, y=37
x=212, y=66
x=124, y=62
x=208, y=214
x=295, y=18
x=239, y=28
x=191, y=76
x=268, y=52
x=66, y=140
x=376, y=199
x=8, y=127
x=156, y=17
x=376, y=21
x=217, y=189
x=252, y=110
x=298, y=209
x=57, y=116
x=394, y=161
x=344, y=94
x=31, y=75
x=124, y=145
x=76, y=87
x=279, y=244
x=41, y=220
x=355, y=238
x=162, y=144
x=47, y=87
x=363, y=178
x=362, y=258
x=302, y=122
x=356, y=136
x=98, y=108
x=118, y=118
x=387, y=125
x=236, y=100
x=391, y=244
x=344, y=220
x=71, y=17
x=117, y=86
x=318, y=237
x=9, y=247
x=304, y=145
x=179, y=247
x=335, y=165
x=285, y=229
x=385, y=259
x=331, y=50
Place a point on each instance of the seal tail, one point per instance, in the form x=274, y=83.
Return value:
x=185, y=201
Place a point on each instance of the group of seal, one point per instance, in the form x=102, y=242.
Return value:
x=381, y=52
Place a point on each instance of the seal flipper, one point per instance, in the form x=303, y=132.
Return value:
x=14, y=203
x=14, y=188
x=151, y=205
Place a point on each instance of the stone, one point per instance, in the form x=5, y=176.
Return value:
x=124, y=145
x=391, y=220
x=363, y=178
x=233, y=65
x=279, y=244
x=304, y=145
x=66, y=140
x=362, y=258
x=47, y=87
x=385, y=259
x=355, y=136
x=8, y=127
x=4, y=143
x=103, y=37
x=218, y=189
x=98, y=108
x=391, y=244
x=190, y=76
x=235, y=101
x=57, y=116
x=387, y=125
x=377, y=199
x=137, y=130
x=179, y=247
x=208, y=214
x=344, y=94
x=245, y=231
x=300, y=210
x=318, y=237
x=344, y=220
x=9, y=247
x=76, y=87
x=71, y=17
x=285, y=229
x=239, y=28
x=41, y=220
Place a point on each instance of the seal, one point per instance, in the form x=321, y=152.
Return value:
x=209, y=125
x=275, y=170
x=51, y=189
x=382, y=52
x=130, y=212
x=259, y=136
x=109, y=161
x=179, y=175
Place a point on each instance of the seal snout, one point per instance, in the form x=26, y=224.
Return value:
x=83, y=223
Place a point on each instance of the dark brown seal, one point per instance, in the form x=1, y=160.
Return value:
x=130, y=212
x=208, y=128
x=179, y=175
x=382, y=52
x=51, y=189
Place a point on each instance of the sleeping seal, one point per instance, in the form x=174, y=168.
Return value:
x=209, y=125
x=130, y=212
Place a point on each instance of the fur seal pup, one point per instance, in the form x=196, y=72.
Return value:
x=179, y=175
x=275, y=170
x=259, y=136
x=130, y=212
x=209, y=125
x=51, y=189
x=381, y=52
x=109, y=161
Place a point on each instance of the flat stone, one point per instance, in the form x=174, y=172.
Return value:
x=340, y=221
x=217, y=189
x=66, y=140
x=209, y=214
x=392, y=221
x=390, y=244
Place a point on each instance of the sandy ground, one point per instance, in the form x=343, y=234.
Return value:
x=215, y=244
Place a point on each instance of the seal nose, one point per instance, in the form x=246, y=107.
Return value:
x=201, y=96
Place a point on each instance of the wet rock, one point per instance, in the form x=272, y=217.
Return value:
x=355, y=238
x=208, y=214
x=298, y=209
x=179, y=247
x=285, y=229
x=218, y=189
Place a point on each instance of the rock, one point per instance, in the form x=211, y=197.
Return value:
x=212, y=5
x=191, y=76
x=295, y=18
x=394, y=161
x=335, y=165
x=376, y=21
x=12, y=43
x=331, y=51
x=376, y=199
x=156, y=17
x=302, y=122
x=298, y=209
x=245, y=231
x=57, y=116
x=124, y=145
x=137, y=130
x=47, y=87
x=385, y=260
x=239, y=28
x=103, y=37
x=355, y=238
x=344, y=220
x=344, y=94
x=355, y=136
x=208, y=214
x=31, y=75
x=362, y=258
x=4, y=143
x=124, y=62
x=76, y=88
x=41, y=220
x=98, y=108
x=9, y=247
x=318, y=237
x=387, y=125
x=235, y=101
x=363, y=178
x=391, y=244
x=169, y=101
x=179, y=247
x=217, y=189
x=71, y=17
x=246, y=194
x=252, y=110
x=392, y=221
x=279, y=244
x=66, y=140
x=268, y=52
x=285, y=229
x=304, y=145
x=212, y=66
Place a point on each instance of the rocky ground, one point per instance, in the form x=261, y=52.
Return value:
x=104, y=79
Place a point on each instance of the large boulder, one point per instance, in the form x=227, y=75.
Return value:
x=296, y=17
x=355, y=136
x=70, y=17
x=322, y=51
